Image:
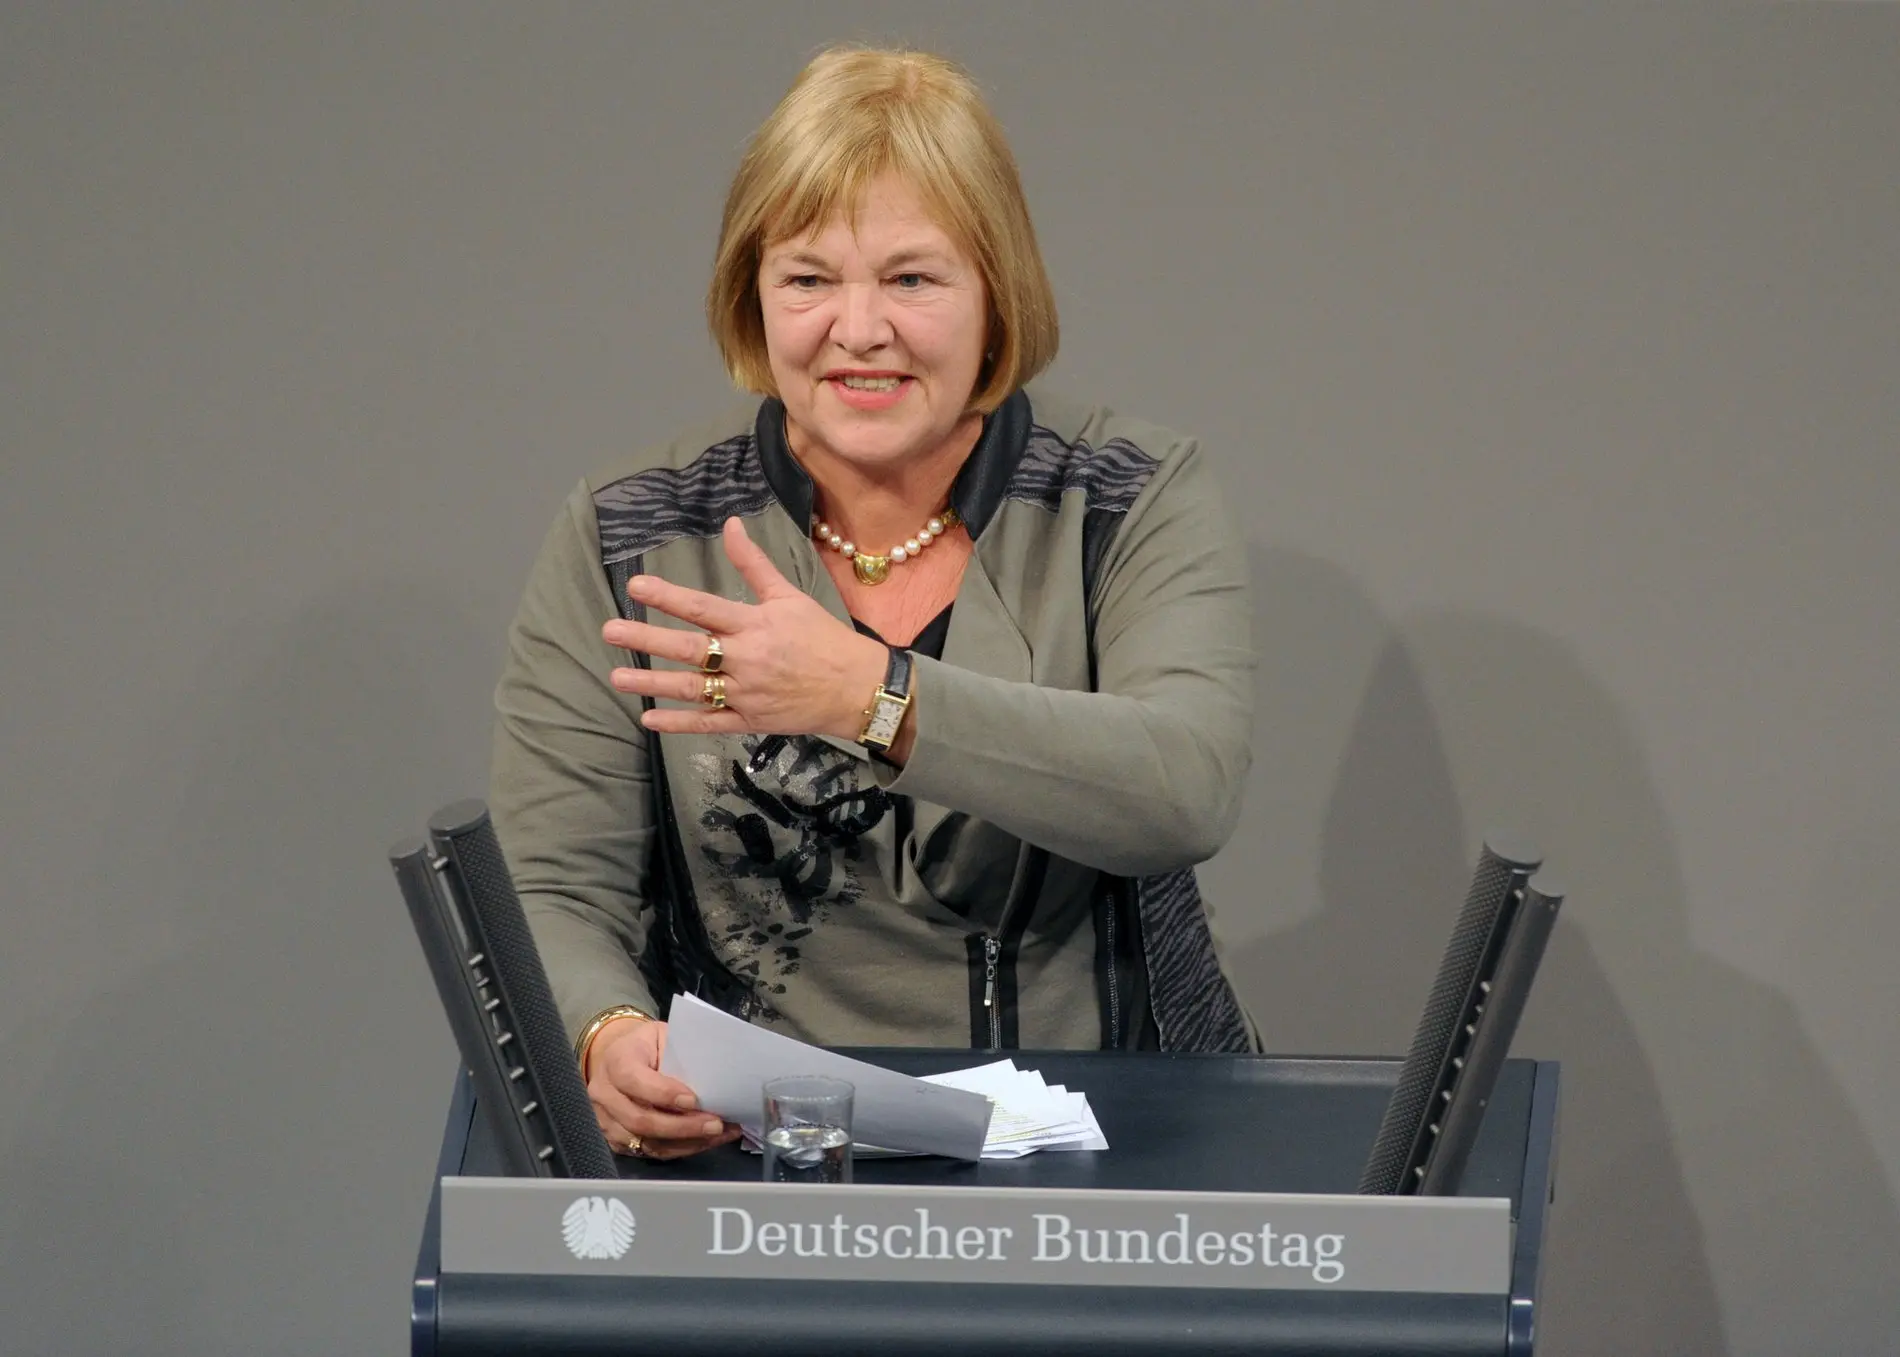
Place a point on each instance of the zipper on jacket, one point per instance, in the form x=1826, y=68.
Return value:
x=1114, y=972
x=989, y=1020
x=992, y=948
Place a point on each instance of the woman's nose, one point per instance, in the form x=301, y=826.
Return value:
x=862, y=324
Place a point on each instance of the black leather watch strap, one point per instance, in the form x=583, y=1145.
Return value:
x=897, y=673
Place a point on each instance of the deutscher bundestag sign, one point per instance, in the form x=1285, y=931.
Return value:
x=876, y=1232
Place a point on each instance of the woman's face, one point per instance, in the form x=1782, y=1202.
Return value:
x=876, y=336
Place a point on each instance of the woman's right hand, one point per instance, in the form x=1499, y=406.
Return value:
x=641, y=1111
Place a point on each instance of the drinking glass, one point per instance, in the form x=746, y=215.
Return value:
x=807, y=1129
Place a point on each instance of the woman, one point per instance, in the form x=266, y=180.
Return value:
x=897, y=709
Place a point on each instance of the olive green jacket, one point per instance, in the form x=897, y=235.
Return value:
x=1025, y=880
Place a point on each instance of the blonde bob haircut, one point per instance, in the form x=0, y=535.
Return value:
x=853, y=115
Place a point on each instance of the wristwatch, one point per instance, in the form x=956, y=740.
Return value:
x=888, y=704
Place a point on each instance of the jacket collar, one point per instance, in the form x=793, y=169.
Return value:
x=978, y=491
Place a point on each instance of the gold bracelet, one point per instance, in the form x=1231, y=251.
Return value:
x=598, y=1021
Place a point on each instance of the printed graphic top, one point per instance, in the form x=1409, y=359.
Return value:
x=1083, y=723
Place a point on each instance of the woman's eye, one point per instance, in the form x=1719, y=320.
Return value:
x=804, y=282
x=909, y=281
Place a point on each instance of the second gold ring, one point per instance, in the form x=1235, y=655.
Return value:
x=713, y=691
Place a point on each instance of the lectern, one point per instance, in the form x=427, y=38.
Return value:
x=1187, y=1124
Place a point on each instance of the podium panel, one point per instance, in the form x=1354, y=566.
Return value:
x=1177, y=1124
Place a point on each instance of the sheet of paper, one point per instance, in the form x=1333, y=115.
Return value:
x=1024, y=1112
x=1030, y=1114
x=1079, y=1110
x=726, y=1061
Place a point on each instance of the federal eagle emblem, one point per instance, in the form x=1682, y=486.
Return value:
x=597, y=1227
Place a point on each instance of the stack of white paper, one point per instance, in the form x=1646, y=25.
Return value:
x=726, y=1061
x=1027, y=1114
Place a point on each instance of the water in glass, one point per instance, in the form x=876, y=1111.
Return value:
x=807, y=1154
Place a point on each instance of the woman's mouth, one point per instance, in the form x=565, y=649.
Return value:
x=872, y=392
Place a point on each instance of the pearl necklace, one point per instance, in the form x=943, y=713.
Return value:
x=876, y=569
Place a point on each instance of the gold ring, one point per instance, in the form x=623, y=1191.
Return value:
x=713, y=692
x=715, y=656
x=635, y=1145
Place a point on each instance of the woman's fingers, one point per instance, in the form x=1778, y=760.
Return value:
x=622, y=1135
x=698, y=718
x=790, y=666
x=648, y=1122
x=679, y=1149
x=694, y=721
x=630, y=1070
x=632, y=1099
x=753, y=565
x=706, y=611
x=666, y=643
x=622, y=1140
x=638, y=1076
x=686, y=686
x=652, y=1124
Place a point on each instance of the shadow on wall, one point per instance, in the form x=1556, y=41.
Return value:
x=1395, y=858
x=1800, y=1229
x=233, y=1149
x=1752, y=1174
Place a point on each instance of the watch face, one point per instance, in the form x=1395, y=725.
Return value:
x=887, y=713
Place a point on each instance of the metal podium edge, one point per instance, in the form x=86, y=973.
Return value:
x=1537, y=1189
x=423, y=1292
x=1533, y=1213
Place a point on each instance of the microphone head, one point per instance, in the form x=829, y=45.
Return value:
x=500, y=1005
x=457, y=819
x=1545, y=893
x=1512, y=849
x=1428, y=1078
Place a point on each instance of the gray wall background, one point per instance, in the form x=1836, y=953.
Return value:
x=1551, y=353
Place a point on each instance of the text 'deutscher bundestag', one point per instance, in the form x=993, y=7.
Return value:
x=864, y=1232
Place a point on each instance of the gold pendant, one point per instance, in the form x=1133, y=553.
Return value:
x=871, y=569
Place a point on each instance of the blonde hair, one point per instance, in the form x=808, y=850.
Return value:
x=853, y=115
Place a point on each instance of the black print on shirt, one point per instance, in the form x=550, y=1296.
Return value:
x=781, y=830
